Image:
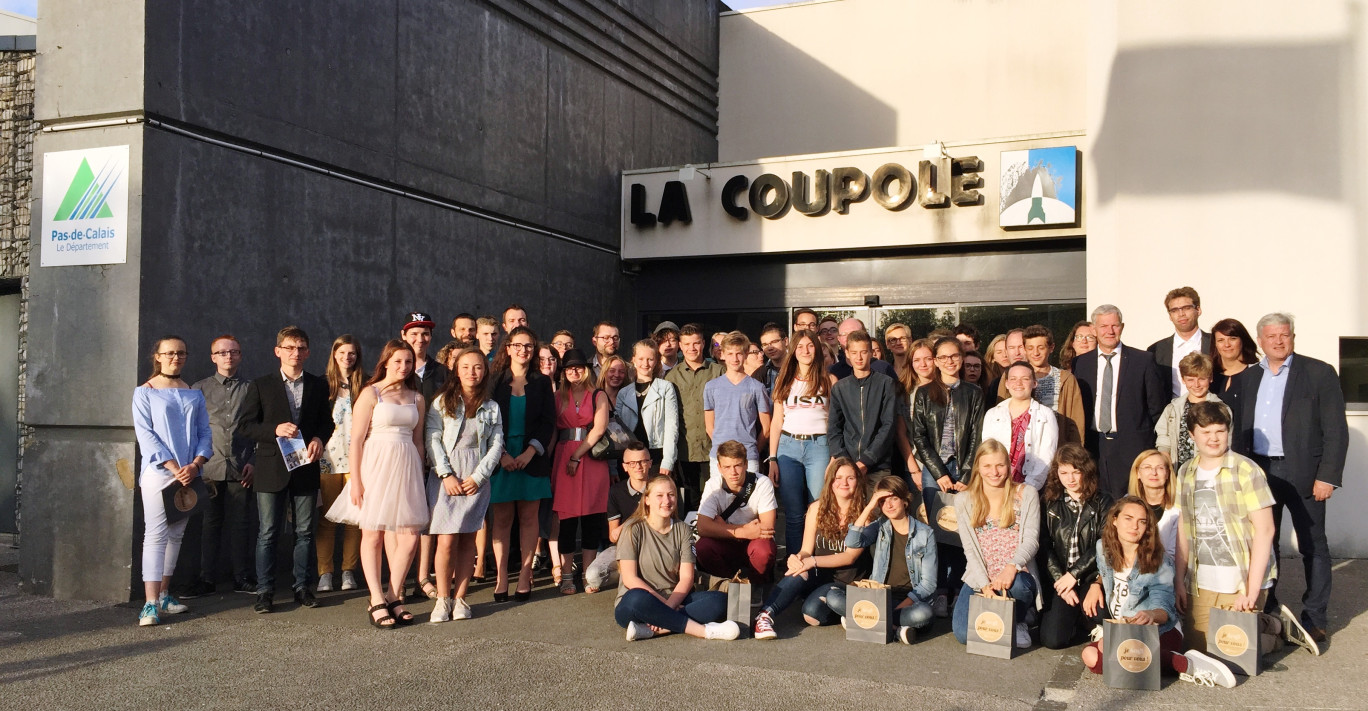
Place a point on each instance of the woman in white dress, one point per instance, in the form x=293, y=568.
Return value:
x=385, y=497
x=465, y=438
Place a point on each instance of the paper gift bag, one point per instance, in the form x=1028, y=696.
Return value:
x=937, y=510
x=1130, y=655
x=1234, y=637
x=740, y=601
x=184, y=501
x=992, y=625
x=869, y=613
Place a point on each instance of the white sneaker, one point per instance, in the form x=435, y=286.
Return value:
x=170, y=605
x=325, y=583
x=460, y=610
x=907, y=635
x=728, y=630
x=349, y=580
x=441, y=612
x=843, y=623
x=1023, y=636
x=1204, y=670
x=148, y=616
x=1096, y=634
x=637, y=630
x=941, y=606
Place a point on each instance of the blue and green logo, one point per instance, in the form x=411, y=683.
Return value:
x=88, y=196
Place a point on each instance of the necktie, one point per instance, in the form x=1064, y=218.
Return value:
x=1104, y=418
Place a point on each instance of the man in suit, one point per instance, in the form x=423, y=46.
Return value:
x=1184, y=308
x=1123, y=397
x=1294, y=427
x=293, y=404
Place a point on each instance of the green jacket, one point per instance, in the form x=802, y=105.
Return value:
x=690, y=384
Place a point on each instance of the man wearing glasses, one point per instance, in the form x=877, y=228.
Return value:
x=228, y=474
x=623, y=498
x=1184, y=308
x=606, y=340
x=293, y=404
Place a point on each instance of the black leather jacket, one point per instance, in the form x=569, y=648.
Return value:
x=1058, y=526
x=927, y=420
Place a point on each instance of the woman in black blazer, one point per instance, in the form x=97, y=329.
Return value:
x=523, y=479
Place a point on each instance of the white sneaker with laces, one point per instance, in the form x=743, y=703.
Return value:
x=727, y=630
x=349, y=580
x=325, y=583
x=441, y=612
x=940, y=607
x=637, y=630
x=1023, y=636
x=460, y=610
x=170, y=605
x=1205, y=670
x=764, y=626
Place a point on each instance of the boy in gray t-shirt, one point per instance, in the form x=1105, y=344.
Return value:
x=735, y=407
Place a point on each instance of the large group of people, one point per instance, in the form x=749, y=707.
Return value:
x=1109, y=482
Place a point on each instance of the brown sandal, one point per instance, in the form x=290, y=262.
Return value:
x=379, y=622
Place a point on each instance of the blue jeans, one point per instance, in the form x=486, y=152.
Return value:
x=1023, y=590
x=815, y=586
x=271, y=516
x=802, y=471
x=917, y=615
x=644, y=608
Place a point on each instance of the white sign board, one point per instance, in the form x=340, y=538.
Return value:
x=85, y=207
x=875, y=199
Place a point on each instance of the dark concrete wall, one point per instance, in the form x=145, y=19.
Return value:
x=523, y=109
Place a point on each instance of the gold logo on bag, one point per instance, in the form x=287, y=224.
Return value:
x=865, y=614
x=1133, y=655
x=989, y=627
x=1231, y=640
x=185, y=499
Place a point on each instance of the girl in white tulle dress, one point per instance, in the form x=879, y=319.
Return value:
x=384, y=496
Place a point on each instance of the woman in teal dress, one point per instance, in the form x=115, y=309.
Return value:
x=523, y=479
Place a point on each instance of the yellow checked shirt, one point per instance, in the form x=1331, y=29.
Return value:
x=1241, y=489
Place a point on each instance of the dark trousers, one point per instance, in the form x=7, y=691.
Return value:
x=1308, y=520
x=271, y=515
x=1114, y=459
x=1063, y=624
x=690, y=477
x=592, y=529
x=230, y=502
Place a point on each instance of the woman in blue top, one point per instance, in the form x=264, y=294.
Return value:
x=172, y=426
x=1135, y=584
x=904, y=556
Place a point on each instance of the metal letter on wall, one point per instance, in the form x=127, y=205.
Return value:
x=930, y=196
x=734, y=187
x=907, y=187
x=964, y=176
x=821, y=193
x=674, y=204
x=848, y=185
x=640, y=217
x=766, y=183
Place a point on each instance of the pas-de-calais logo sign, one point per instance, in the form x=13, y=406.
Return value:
x=85, y=207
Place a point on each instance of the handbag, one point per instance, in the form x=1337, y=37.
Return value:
x=614, y=440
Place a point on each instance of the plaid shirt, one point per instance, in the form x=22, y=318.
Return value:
x=1241, y=489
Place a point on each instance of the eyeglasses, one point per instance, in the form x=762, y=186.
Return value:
x=640, y=464
x=1153, y=468
x=293, y=349
x=522, y=347
x=547, y=360
x=227, y=353
x=949, y=358
x=613, y=339
x=895, y=340
x=1085, y=339
x=829, y=329
x=173, y=354
x=1182, y=309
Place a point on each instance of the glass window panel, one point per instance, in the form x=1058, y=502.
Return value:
x=992, y=320
x=1353, y=361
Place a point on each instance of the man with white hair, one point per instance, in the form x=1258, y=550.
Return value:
x=1123, y=396
x=1292, y=424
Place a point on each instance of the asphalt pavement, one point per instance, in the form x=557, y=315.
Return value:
x=565, y=652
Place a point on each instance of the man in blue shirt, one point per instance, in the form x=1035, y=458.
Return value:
x=1293, y=426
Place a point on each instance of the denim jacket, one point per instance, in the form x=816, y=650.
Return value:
x=444, y=432
x=1148, y=591
x=660, y=409
x=920, y=552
